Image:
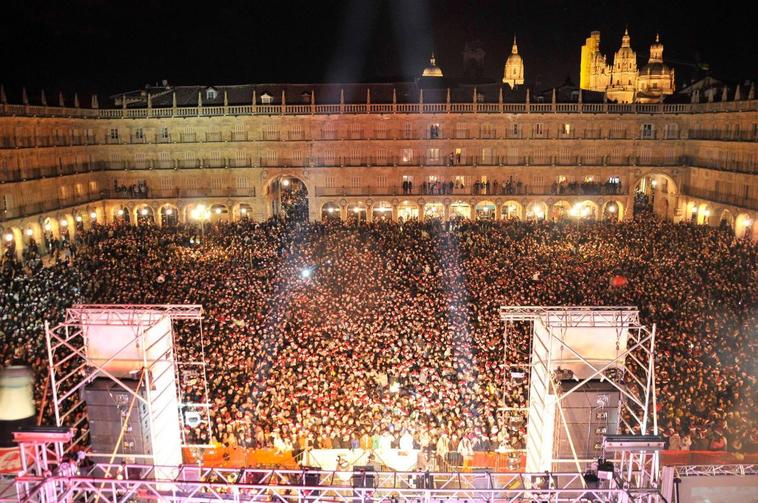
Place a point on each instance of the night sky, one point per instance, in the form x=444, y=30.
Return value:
x=107, y=46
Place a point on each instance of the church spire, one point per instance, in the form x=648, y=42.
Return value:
x=514, y=49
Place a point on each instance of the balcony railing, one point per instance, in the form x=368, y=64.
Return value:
x=722, y=135
x=717, y=197
x=502, y=189
x=382, y=108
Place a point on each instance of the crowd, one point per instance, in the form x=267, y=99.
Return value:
x=327, y=335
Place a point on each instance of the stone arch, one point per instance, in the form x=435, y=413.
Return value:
x=408, y=210
x=511, y=210
x=613, y=211
x=434, y=210
x=654, y=192
x=460, y=209
x=122, y=214
x=12, y=237
x=330, y=211
x=537, y=210
x=726, y=218
x=33, y=231
x=690, y=211
x=381, y=211
x=744, y=225
x=357, y=212
x=50, y=229
x=144, y=214
x=704, y=214
x=219, y=213
x=485, y=210
x=559, y=210
x=168, y=215
x=244, y=211
x=585, y=210
x=288, y=196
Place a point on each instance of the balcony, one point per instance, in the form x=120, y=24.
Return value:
x=717, y=197
x=722, y=135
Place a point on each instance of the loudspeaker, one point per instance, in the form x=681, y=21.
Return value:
x=363, y=476
x=107, y=407
x=311, y=479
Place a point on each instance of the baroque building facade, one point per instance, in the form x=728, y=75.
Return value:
x=371, y=152
x=622, y=81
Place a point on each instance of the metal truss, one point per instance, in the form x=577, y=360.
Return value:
x=71, y=369
x=138, y=482
x=716, y=470
x=631, y=372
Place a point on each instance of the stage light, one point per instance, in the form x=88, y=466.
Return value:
x=306, y=273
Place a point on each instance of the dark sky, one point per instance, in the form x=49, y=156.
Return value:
x=108, y=46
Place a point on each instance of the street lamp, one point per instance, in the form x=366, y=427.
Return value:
x=201, y=213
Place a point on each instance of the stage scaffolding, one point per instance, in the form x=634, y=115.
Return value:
x=72, y=366
x=629, y=369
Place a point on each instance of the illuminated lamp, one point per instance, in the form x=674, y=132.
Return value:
x=143, y=211
x=64, y=222
x=29, y=232
x=9, y=237
x=218, y=211
x=93, y=215
x=120, y=213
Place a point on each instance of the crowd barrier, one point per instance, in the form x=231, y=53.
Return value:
x=327, y=459
x=397, y=460
x=680, y=458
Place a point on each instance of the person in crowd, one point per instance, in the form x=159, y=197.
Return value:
x=302, y=361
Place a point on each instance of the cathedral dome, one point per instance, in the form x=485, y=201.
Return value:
x=655, y=69
x=432, y=70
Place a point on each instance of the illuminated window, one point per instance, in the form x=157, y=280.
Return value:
x=614, y=180
x=266, y=99
x=433, y=155
x=408, y=131
x=566, y=129
x=434, y=131
x=211, y=94
x=647, y=131
x=516, y=130
x=406, y=155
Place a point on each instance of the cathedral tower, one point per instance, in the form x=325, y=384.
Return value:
x=623, y=79
x=513, y=73
x=655, y=79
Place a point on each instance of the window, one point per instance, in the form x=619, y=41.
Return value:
x=266, y=99
x=355, y=131
x=217, y=182
x=434, y=131
x=381, y=156
x=139, y=134
x=381, y=181
x=433, y=155
x=331, y=181
x=380, y=132
x=614, y=180
x=647, y=131
x=461, y=131
x=566, y=129
x=114, y=134
x=242, y=182
x=406, y=155
x=671, y=131
x=211, y=94
x=408, y=131
x=164, y=134
x=487, y=156
x=539, y=130
x=488, y=131
x=515, y=130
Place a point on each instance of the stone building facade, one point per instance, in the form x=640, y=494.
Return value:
x=622, y=81
x=390, y=155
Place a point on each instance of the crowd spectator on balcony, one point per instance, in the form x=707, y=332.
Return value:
x=136, y=190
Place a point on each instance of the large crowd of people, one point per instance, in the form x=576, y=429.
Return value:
x=327, y=335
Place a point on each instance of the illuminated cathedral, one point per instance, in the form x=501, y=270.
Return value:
x=622, y=81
